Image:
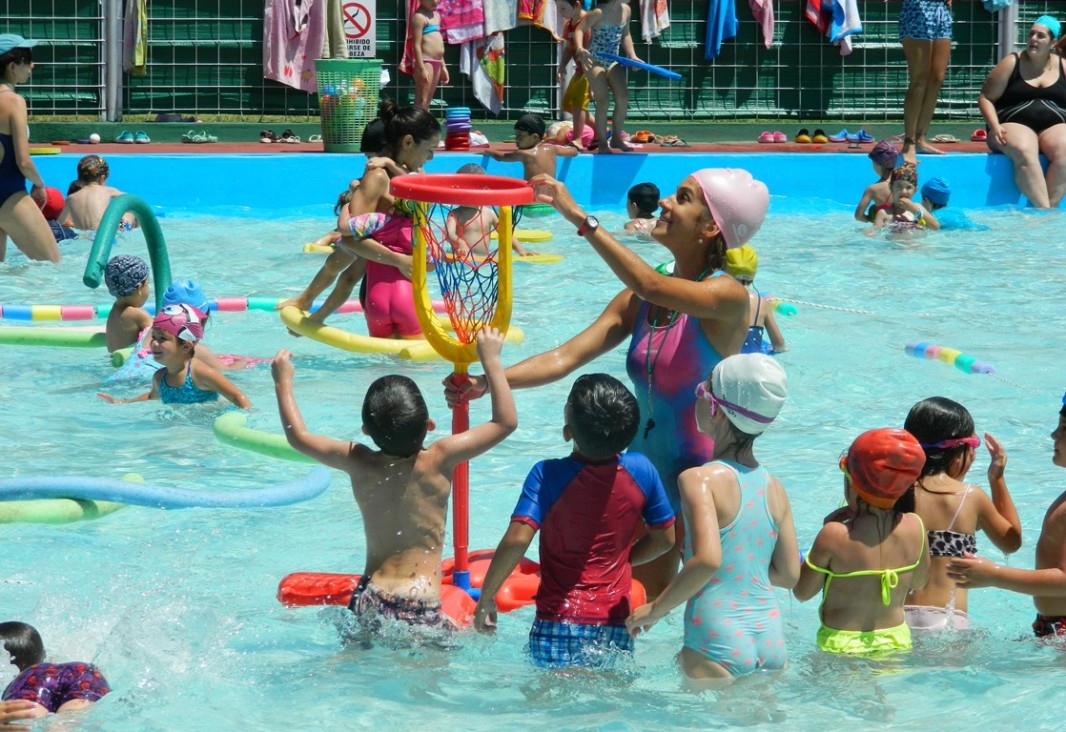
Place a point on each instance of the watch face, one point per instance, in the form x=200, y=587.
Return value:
x=592, y=222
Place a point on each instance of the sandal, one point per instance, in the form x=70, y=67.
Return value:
x=141, y=137
x=979, y=135
x=944, y=139
x=288, y=136
x=819, y=137
x=314, y=138
x=803, y=137
x=268, y=136
x=124, y=138
x=198, y=138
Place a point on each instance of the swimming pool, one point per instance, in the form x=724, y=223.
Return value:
x=178, y=608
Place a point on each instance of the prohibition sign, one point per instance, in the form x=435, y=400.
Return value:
x=356, y=20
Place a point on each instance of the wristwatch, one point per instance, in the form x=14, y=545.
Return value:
x=590, y=224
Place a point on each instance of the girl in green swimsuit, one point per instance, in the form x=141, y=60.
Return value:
x=876, y=553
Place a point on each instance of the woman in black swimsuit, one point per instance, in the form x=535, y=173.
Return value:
x=1023, y=101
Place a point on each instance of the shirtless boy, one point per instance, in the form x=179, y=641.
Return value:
x=86, y=206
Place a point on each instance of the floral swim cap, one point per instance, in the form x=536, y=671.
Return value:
x=184, y=322
x=906, y=172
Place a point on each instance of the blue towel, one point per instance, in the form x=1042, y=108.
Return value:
x=721, y=26
x=994, y=6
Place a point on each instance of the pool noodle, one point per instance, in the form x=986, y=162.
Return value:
x=17, y=311
x=142, y=494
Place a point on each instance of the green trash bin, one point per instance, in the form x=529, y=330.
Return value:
x=347, y=100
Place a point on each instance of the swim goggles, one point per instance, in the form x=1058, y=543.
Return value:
x=974, y=442
x=702, y=392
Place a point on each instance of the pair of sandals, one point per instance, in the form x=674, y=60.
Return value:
x=198, y=138
x=269, y=136
x=804, y=137
x=139, y=138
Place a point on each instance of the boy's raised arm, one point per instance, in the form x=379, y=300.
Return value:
x=330, y=452
x=477, y=440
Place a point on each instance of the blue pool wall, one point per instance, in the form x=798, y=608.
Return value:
x=262, y=184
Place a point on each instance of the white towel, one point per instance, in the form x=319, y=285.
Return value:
x=845, y=20
x=654, y=19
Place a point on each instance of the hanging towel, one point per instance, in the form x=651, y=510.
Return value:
x=135, y=38
x=293, y=33
x=461, y=20
x=334, y=42
x=763, y=10
x=483, y=61
x=654, y=19
x=407, y=62
x=994, y=6
x=721, y=26
x=845, y=21
x=500, y=15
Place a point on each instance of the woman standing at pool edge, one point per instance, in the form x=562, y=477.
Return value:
x=925, y=32
x=20, y=214
x=679, y=326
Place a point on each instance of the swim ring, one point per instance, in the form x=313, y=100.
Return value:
x=231, y=428
x=413, y=350
x=143, y=494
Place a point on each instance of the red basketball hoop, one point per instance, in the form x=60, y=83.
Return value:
x=462, y=189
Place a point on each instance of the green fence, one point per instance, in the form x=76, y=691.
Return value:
x=205, y=57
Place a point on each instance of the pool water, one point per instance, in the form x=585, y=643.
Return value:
x=178, y=608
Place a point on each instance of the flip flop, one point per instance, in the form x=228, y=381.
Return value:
x=979, y=135
x=803, y=137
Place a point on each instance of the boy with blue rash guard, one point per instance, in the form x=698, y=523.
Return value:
x=935, y=196
x=587, y=506
x=1046, y=582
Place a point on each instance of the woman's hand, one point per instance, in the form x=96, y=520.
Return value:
x=38, y=194
x=998, y=458
x=999, y=135
x=550, y=190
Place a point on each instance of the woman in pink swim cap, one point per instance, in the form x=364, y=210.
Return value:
x=679, y=325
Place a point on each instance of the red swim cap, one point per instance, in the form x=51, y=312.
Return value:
x=882, y=464
x=54, y=205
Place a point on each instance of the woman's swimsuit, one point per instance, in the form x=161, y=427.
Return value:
x=389, y=307
x=862, y=642
x=187, y=393
x=12, y=180
x=605, y=39
x=754, y=342
x=1038, y=108
x=734, y=620
x=665, y=362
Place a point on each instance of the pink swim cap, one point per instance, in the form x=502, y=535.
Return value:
x=184, y=322
x=737, y=202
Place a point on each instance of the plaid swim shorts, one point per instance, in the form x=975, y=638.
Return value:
x=559, y=645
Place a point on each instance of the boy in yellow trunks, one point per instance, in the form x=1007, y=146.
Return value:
x=864, y=613
x=1047, y=581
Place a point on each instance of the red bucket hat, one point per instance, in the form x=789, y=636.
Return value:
x=882, y=464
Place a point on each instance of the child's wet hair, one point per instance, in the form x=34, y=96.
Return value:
x=75, y=186
x=403, y=121
x=395, y=415
x=531, y=123
x=645, y=196
x=471, y=169
x=373, y=140
x=23, y=642
x=934, y=420
x=602, y=414
x=92, y=168
x=343, y=200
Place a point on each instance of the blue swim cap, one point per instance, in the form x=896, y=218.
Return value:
x=937, y=190
x=1050, y=23
x=185, y=292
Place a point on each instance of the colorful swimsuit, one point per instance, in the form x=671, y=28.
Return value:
x=864, y=642
x=605, y=39
x=390, y=309
x=665, y=362
x=54, y=684
x=371, y=605
x=753, y=342
x=926, y=20
x=734, y=620
x=187, y=393
x=946, y=543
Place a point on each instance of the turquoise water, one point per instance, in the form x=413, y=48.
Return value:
x=178, y=608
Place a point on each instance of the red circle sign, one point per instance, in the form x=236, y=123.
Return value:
x=356, y=20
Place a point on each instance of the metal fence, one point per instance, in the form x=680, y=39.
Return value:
x=205, y=57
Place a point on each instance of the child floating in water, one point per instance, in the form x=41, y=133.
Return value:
x=904, y=216
x=86, y=205
x=588, y=504
x=878, y=194
x=469, y=227
x=402, y=487
x=742, y=263
x=126, y=277
x=740, y=541
x=48, y=688
x=641, y=202
x=183, y=380
x=864, y=614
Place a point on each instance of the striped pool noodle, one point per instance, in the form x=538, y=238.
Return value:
x=17, y=311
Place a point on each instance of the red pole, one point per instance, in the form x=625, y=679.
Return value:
x=461, y=490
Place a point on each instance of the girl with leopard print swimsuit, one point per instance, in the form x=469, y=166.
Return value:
x=953, y=510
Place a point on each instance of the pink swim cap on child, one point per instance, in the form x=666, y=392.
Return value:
x=184, y=322
x=737, y=202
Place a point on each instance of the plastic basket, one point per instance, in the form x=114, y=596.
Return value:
x=347, y=100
